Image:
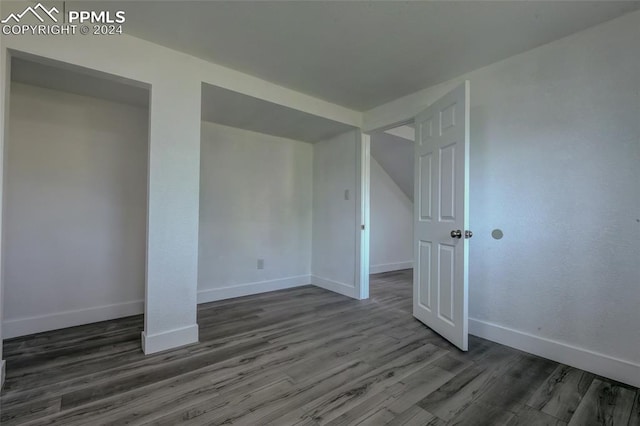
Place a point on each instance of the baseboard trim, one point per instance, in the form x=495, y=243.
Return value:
x=171, y=339
x=335, y=286
x=2, y=370
x=239, y=290
x=29, y=325
x=390, y=267
x=584, y=359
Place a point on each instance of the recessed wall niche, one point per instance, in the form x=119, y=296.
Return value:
x=75, y=188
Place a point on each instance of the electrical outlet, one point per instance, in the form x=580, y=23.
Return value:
x=260, y=263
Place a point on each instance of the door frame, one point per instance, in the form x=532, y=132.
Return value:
x=363, y=204
x=363, y=185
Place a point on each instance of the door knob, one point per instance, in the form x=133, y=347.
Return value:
x=456, y=234
x=468, y=234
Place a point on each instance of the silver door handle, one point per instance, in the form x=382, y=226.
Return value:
x=468, y=234
x=456, y=234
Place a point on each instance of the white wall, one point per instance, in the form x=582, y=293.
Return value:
x=334, y=217
x=555, y=149
x=255, y=203
x=75, y=213
x=391, y=224
x=5, y=67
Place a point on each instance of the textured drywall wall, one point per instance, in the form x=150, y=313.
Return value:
x=555, y=149
x=173, y=211
x=4, y=134
x=334, y=212
x=255, y=203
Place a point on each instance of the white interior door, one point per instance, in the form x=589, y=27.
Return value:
x=441, y=202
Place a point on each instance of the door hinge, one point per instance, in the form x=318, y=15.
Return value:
x=362, y=227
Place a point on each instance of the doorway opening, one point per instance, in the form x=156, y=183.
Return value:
x=391, y=216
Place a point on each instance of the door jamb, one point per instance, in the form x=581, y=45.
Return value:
x=363, y=162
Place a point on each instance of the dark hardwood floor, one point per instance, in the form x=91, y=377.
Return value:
x=303, y=356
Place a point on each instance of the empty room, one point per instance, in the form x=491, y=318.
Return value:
x=315, y=212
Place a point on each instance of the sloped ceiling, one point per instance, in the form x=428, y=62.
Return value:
x=395, y=155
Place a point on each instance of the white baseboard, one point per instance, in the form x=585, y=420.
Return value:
x=389, y=267
x=335, y=286
x=2, y=370
x=584, y=359
x=29, y=325
x=169, y=339
x=239, y=290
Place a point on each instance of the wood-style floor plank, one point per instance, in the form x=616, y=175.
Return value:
x=416, y=416
x=302, y=356
x=634, y=419
x=528, y=416
x=561, y=393
x=451, y=399
x=605, y=403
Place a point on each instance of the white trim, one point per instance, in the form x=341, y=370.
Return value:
x=389, y=267
x=169, y=339
x=2, y=370
x=239, y=290
x=363, y=222
x=584, y=359
x=335, y=286
x=29, y=325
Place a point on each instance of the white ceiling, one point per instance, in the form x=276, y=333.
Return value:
x=359, y=54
